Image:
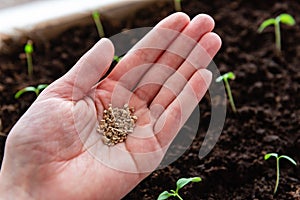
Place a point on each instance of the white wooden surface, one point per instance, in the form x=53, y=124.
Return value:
x=42, y=17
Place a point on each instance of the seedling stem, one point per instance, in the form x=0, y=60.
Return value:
x=177, y=5
x=225, y=77
x=96, y=17
x=277, y=34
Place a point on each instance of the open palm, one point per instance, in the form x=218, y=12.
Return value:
x=55, y=152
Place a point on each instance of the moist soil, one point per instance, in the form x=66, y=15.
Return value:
x=266, y=93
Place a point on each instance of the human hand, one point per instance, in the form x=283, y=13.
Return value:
x=54, y=150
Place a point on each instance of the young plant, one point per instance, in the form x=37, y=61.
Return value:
x=283, y=18
x=117, y=58
x=177, y=5
x=28, y=49
x=268, y=155
x=36, y=90
x=179, y=184
x=225, y=77
x=96, y=17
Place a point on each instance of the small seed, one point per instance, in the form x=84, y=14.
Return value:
x=109, y=134
x=106, y=140
x=134, y=117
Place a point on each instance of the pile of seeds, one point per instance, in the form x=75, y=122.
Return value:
x=116, y=124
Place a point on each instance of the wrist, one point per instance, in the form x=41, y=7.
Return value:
x=9, y=191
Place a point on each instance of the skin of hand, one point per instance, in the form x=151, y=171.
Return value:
x=54, y=150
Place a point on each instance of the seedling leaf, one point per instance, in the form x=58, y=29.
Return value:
x=117, y=58
x=164, y=195
x=22, y=91
x=265, y=24
x=28, y=47
x=229, y=75
x=287, y=19
x=288, y=158
x=36, y=90
x=180, y=184
x=219, y=79
x=42, y=86
x=268, y=155
x=96, y=14
x=183, y=181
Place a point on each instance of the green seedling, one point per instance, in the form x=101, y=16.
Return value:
x=177, y=5
x=225, y=77
x=268, y=155
x=96, y=17
x=28, y=49
x=117, y=58
x=283, y=18
x=37, y=90
x=179, y=184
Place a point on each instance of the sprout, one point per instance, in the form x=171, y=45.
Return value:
x=117, y=58
x=177, y=5
x=36, y=90
x=225, y=77
x=268, y=155
x=180, y=184
x=283, y=18
x=28, y=49
x=96, y=17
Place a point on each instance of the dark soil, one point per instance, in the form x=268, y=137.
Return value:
x=266, y=92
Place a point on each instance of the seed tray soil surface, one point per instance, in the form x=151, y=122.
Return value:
x=266, y=92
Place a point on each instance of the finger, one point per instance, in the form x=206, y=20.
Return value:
x=140, y=58
x=173, y=57
x=77, y=82
x=167, y=124
x=200, y=57
x=176, y=114
x=202, y=54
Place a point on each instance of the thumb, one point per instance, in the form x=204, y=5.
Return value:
x=89, y=69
